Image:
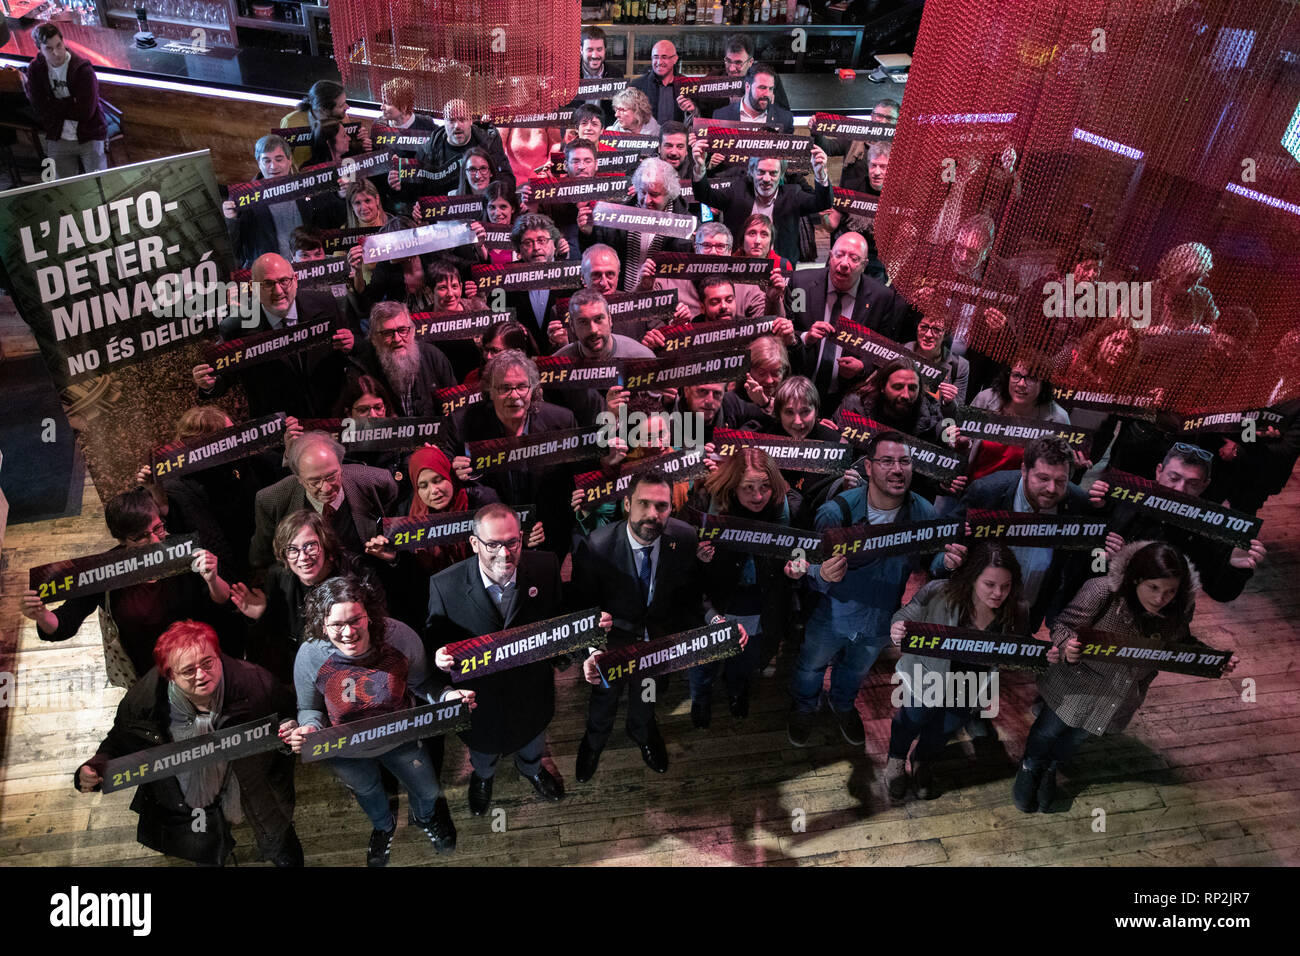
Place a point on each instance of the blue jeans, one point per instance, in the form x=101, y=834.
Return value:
x=67, y=154
x=849, y=658
x=930, y=727
x=409, y=763
x=1051, y=741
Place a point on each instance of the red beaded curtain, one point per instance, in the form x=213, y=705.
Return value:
x=501, y=56
x=1168, y=130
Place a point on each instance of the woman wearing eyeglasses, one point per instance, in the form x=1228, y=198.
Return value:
x=193, y=689
x=1020, y=394
x=497, y=339
x=357, y=663
x=139, y=613
x=930, y=345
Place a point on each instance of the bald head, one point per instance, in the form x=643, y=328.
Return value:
x=663, y=58
x=848, y=260
x=457, y=121
x=276, y=282
x=600, y=268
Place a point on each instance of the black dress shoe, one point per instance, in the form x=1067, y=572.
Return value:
x=587, y=761
x=701, y=712
x=740, y=705
x=547, y=785
x=655, y=754
x=480, y=794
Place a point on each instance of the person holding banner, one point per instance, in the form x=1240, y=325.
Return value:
x=751, y=299
x=850, y=626
x=397, y=104
x=1023, y=395
x=500, y=586
x=500, y=337
x=983, y=593
x=411, y=370
x=1148, y=593
x=719, y=406
x=355, y=663
x=439, y=158
x=930, y=345
x=191, y=690
x=758, y=104
x=657, y=85
x=594, y=342
x=749, y=588
x=645, y=573
x=536, y=239
x=137, y=614
x=325, y=101
x=756, y=240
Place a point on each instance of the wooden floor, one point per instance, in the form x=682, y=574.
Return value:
x=1201, y=778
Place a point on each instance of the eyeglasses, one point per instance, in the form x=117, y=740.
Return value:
x=738, y=64
x=315, y=483
x=536, y=243
x=356, y=624
x=279, y=283
x=504, y=390
x=888, y=463
x=1022, y=377
x=716, y=248
x=401, y=332
x=207, y=665
x=929, y=330
x=1195, y=451
x=755, y=489
x=661, y=57
x=309, y=550
x=361, y=410
x=494, y=546
x=155, y=530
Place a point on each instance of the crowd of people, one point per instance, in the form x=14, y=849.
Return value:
x=300, y=606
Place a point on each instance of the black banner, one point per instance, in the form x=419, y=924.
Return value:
x=517, y=646
x=710, y=87
x=628, y=143
x=599, y=487
x=691, y=265
x=1126, y=405
x=877, y=350
x=265, y=346
x=320, y=178
x=969, y=644
x=1012, y=430
x=185, y=756
x=687, y=335
x=845, y=127
x=562, y=192
x=1025, y=530
x=569, y=373
x=758, y=537
x=635, y=219
x=437, y=528
x=674, y=371
x=302, y=135
x=600, y=88
x=444, y=326
x=740, y=145
x=375, y=735
x=633, y=307
x=676, y=652
x=230, y=444
x=971, y=294
x=434, y=237
x=1182, y=510
x=1195, y=658
x=310, y=272
x=799, y=454
x=450, y=208
x=933, y=461
x=615, y=161
x=113, y=569
x=409, y=170
x=1228, y=422
x=457, y=397
x=867, y=542
x=560, y=117
x=398, y=140
x=378, y=434
x=859, y=205
x=495, y=237
x=337, y=242
x=536, y=451
x=564, y=274
x=715, y=187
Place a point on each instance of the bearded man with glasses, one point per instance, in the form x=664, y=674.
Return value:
x=412, y=370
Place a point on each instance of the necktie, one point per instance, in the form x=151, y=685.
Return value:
x=499, y=592
x=328, y=512
x=644, y=250
x=826, y=378
x=643, y=573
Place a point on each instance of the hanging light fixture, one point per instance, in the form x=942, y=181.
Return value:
x=502, y=57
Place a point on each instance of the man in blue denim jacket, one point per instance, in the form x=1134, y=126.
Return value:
x=850, y=625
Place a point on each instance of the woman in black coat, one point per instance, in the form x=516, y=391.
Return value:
x=192, y=690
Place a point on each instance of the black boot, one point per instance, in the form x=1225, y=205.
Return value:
x=1047, y=790
x=1024, y=792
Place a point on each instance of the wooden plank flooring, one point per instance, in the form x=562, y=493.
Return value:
x=1201, y=778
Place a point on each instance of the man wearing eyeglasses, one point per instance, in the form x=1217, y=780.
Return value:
x=190, y=690
x=413, y=371
x=301, y=384
x=714, y=239
x=657, y=84
x=536, y=238
x=1224, y=569
x=850, y=626
x=737, y=58
x=351, y=498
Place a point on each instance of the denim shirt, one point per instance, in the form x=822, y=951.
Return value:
x=860, y=605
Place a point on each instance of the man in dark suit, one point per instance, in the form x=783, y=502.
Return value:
x=413, y=371
x=502, y=586
x=657, y=83
x=512, y=407
x=440, y=158
x=351, y=498
x=758, y=105
x=535, y=238
x=816, y=298
x=737, y=59
x=764, y=190
x=594, y=67
x=305, y=384
x=644, y=572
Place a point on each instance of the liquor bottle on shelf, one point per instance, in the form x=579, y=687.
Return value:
x=663, y=12
x=634, y=11
x=717, y=12
x=765, y=12
x=616, y=12
x=651, y=10
x=745, y=13
x=672, y=12
x=692, y=9
x=778, y=12
x=790, y=11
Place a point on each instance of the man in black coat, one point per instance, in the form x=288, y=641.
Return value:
x=216, y=691
x=412, y=371
x=654, y=592
x=764, y=190
x=758, y=104
x=657, y=83
x=536, y=239
x=512, y=407
x=304, y=384
x=440, y=157
x=500, y=587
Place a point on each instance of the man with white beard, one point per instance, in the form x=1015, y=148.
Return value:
x=412, y=370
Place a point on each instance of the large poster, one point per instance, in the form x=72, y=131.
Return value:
x=103, y=267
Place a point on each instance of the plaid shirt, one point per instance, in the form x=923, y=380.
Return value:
x=1100, y=698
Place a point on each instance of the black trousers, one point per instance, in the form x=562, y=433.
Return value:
x=603, y=709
